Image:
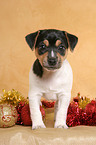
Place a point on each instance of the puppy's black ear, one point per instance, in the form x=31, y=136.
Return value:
x=72, y=40
x=31, y=39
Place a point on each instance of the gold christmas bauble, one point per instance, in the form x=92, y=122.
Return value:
x=8, y=115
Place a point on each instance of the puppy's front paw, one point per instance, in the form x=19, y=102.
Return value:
x=38, y=127
x=61, y=126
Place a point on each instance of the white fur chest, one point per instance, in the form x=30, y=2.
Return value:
x=52, y=83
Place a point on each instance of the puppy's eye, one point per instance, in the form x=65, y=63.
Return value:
x=42, y=46
x=62, y=47
x=42, y=49
x=61, y=50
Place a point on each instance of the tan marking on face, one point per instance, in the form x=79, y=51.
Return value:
x=43, y=58
x=58, y=42
x=46, y=42
x=40, y=57
x=62, y=57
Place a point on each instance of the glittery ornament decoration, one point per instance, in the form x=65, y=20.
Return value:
x=77, y=98
x=81, y=111
x=90, y=111
x=8, y=115
x=83, y=101
x=25, y=115
x=19, y=109
x=48, y=104
x=73, y=114
x=12, y=97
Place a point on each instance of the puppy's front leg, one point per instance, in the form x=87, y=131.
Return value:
x=63, y=103
x=34, y=102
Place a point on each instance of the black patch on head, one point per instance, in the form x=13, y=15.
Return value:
x=72, y=41
x=52, y=35
x=37, y=68
x=30, y=39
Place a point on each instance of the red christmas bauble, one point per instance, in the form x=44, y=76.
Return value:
x=25, y=114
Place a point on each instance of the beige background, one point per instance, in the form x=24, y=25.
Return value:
x=20, y=17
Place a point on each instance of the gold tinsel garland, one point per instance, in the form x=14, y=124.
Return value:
x=82, y=100
x=12, y=97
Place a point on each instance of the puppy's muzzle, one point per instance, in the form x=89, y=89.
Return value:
x=52, y=58
x=52, y=61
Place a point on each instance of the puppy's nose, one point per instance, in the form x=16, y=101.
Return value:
x=52, y=61
x=52, y=58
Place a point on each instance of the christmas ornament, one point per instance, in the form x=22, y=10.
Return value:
x=25, y=115
x=12, y=97
x=83, y=101
x=90, y=111
x=19, y=109
x=8, y=115
x=77, y=98
x=48, y=104
x=81, y=111
x=73, y=114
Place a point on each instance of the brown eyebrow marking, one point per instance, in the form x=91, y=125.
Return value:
x=58, y=42
x=46, y=42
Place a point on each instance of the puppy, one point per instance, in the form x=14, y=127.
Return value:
x=51, y=74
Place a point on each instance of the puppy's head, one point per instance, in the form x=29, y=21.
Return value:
x=51, y=46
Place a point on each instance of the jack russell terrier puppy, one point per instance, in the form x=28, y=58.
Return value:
x=51, y=74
